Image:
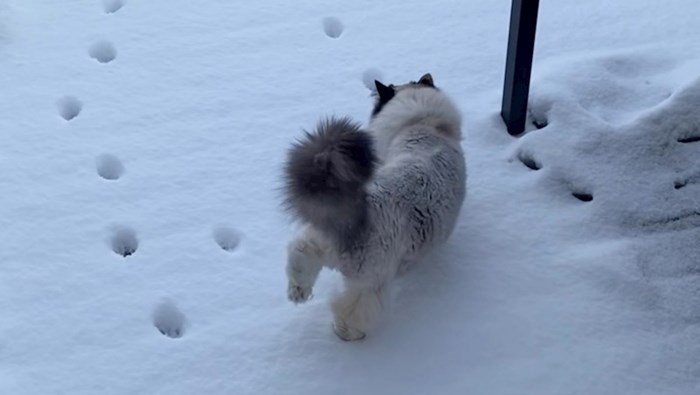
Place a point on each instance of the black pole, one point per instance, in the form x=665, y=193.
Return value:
x=521, y=45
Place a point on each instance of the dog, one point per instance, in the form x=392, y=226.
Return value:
x=373, y=201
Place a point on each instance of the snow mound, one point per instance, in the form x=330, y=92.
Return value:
x=625, y=129
x=637, y=153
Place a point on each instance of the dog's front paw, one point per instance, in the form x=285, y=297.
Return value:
x=298, y=294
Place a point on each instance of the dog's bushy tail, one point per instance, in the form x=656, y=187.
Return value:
x=326, y=175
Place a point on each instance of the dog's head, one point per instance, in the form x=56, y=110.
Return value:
x=385, y=93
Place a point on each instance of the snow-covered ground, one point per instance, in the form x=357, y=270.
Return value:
x=156, y=129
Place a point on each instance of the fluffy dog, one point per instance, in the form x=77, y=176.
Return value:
x=374, y=200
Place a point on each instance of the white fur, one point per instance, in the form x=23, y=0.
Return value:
x=414, y=199
x=304, y=262
x=356, y=310
x=415, y=106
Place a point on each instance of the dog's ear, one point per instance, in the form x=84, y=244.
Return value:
x=385, y=92
x=427, y=80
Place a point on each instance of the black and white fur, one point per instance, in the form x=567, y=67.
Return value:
x=374, y=200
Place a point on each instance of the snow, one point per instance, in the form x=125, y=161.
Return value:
x=109, y=167
x=333, y=27
x=103, y=51
x=69, y=107
x=369, y=76
x=143, y=244
x=112, y=6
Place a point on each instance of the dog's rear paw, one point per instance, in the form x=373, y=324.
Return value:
x=298, y=294
x=347, y=333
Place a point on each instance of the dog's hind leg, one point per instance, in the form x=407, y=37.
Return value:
x=356, y=310
x=305, y=257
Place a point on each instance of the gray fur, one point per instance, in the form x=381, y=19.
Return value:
x=326, y=176
x=411, y=204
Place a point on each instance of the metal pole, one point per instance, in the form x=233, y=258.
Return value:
x=521, y=45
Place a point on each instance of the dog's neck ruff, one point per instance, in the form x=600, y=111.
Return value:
x=410, y=107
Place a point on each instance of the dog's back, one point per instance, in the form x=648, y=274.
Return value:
x=418, y=188
x=424, y=183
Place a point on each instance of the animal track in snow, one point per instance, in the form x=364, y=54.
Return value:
x=529, y=161
x=169, y=320
x=680, y=184
x=538, y=113
x=112, y=6
x=227, y=238
x=369, y=76
x=69, y=107
x=333, y=27
x=102, y=51
x=109, y=167
x=124, y=241
x=539, y=123
x=582, y=196
x=692, y=179
x=618, y=137
x=689, y=139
